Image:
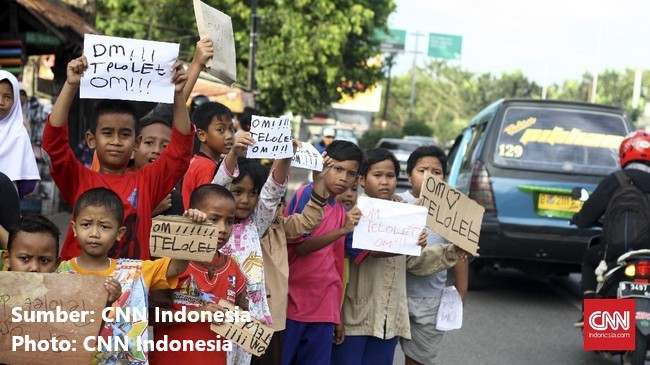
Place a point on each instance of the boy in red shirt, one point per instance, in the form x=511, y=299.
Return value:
x=202, y=285
x=114, y=138
x=214, y=130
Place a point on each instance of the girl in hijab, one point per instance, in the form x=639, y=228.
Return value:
x=16, y=155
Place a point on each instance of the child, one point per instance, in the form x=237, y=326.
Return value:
x=316, y=264
x=155, y=133
x=16, y=155
x=214, y=130
x=202, y=285
x=33, y=246
x=424, y=292
x=98, y=214
x=276, y=261
x=256, y=202
x=349, y=197
x=375, y=309
x=114, y=137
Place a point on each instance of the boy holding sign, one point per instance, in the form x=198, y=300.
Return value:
x=201, y=286
x=98, y=214
x=114, y=138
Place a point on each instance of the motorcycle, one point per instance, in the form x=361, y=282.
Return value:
x=627, y=277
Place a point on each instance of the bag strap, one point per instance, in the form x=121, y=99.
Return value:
x=622, y=178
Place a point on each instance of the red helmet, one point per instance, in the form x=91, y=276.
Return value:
x=635, y=147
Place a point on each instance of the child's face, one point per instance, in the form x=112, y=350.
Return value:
x=152, y=140
x=416, y=177
x=341, y=176
x=32, y=252
x=220, y=136
x=97, y=230
x=6, y=98
x=114, y=140
x=221, y=212
x=349, y=197
x=246, y=197
x=381, y=180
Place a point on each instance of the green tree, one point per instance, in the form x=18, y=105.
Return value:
x=309, y=52
x=417, y=128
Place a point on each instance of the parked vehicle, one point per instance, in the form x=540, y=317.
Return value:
x=340, y=132
x=520, y=160
x=401, y=149
x=423, y=140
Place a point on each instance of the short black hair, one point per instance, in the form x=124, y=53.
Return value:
x=202, y=116
x=34, y=223
x=345, y=151
x=203, y=192
x=115, y=107
x=376, y=155
x=246, y=117
x=427, y=151
x=162, y=114
x=100, y=197
x=253, y=168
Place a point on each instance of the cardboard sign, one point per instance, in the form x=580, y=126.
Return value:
x=272, y=138
x=451, y=214
x=128, y=69
x=388, y=226
x=181, y=238
x=253, y=336
x=450, y=311
x=307, y=157
x=218, y=26
x=73, y=304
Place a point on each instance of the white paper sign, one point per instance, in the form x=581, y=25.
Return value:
x=450, y=312
x=128, y=69
x=307, y=157
x=272, y=138
x=388, y=226
x=218, y=26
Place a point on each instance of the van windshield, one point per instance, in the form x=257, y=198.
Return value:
x=559, y=140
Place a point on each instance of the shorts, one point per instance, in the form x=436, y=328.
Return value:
x=425, y=341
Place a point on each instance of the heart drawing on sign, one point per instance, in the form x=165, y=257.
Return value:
x=452, y=197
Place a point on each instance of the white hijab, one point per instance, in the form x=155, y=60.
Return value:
x=16, y=155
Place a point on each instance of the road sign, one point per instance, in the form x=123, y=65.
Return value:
x=393, y=41
x=446, y=46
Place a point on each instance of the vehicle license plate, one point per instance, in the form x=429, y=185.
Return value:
x=563, y=203
x=627, y=289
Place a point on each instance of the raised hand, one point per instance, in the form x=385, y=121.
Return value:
x=180, y=77
x=242, y=141
x=204, y=51
x=422, y=240
x=352, y=218
x=195, y=215
x=114, y=290
x=163, y=206
x=75, y=70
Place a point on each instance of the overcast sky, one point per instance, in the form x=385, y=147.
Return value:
x=531, y=35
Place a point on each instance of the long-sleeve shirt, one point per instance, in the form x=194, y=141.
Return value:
x=140, y=191
x=276, y=258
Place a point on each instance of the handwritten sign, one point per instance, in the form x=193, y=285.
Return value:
x=272, y=138
x=181, y=238
x=389, y=226
x=65, y=298
x=218, y=26
x=128, y=69
x=451, y=214
x=253, y=336
x=450, y=311
x=307, y=157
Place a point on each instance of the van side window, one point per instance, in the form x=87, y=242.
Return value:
x=477, y=136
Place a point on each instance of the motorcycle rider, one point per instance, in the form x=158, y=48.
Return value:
x=634, y=154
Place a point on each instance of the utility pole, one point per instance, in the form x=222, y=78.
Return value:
x=252, y=41
x=389, y=63
x=413, y=70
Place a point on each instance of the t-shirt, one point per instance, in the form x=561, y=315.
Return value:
x=140, y=191
x=194, y=289
x=316, y=279
x=201, y=171
x=429, y=285
x=136, y=278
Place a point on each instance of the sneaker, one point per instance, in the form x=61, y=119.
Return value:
x=580, y=323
